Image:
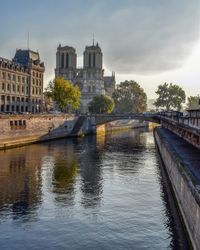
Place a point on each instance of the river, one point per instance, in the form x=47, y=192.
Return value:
x=96, y=192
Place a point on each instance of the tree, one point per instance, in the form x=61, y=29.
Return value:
x=64, y=93
x=170, y=96
x=193, y=102
x=129, y=97
x=101, y=104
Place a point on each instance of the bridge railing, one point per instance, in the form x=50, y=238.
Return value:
x=179, y=118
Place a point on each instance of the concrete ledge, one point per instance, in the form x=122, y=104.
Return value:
x=185, y=181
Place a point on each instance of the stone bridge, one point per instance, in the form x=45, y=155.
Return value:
x=99, y=119
x=174, y=122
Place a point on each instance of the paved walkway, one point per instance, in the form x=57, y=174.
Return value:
x=188, y=154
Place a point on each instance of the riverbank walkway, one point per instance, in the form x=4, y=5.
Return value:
x=189, y=156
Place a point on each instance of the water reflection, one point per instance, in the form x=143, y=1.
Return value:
x=64, y=174
x=20, y=183
x=91, y=174
x=56, y=186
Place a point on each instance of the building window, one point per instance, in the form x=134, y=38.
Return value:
x=8, y=87
x=14, y=88
x=94, y=60
x=90, y=60
x=3, y=86
x=62, y=60
x=14, y=77
x=4, y=75
x=67, y=60
x=17, y=124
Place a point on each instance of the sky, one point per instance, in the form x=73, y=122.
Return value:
x=149, y=41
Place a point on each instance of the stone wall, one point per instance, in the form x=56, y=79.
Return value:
x=121, y=125
x=23, y=129
x=185, y=187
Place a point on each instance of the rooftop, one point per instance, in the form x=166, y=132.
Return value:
x=25, y=56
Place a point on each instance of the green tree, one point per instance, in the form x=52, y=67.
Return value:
x=101, y=104
x=129, y=97
x=64, y=93
x=193, y=102
x=170, y=96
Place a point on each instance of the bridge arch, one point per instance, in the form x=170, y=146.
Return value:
x=101, y=119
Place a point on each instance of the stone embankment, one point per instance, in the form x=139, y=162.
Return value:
x=182, y=164
x=16, y=130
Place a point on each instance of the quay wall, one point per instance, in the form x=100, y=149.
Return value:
x=25, y=129
x=121, y=125
x=186, y=188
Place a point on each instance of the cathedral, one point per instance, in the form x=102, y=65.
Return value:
x=90, y=79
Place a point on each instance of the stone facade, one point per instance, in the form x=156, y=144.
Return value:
x=21, y=82
x=90, y=79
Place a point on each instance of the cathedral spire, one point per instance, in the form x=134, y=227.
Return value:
x=93, y=40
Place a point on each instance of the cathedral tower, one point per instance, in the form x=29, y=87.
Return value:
x=93, y=57
x=65, y=62
x=89, y=78
x=93, y=81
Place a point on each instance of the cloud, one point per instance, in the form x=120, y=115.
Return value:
x=136, y=36
x=146, y=39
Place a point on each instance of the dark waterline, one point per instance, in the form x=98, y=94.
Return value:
x=104, y=192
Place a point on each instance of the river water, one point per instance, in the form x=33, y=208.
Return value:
x=96, y=192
